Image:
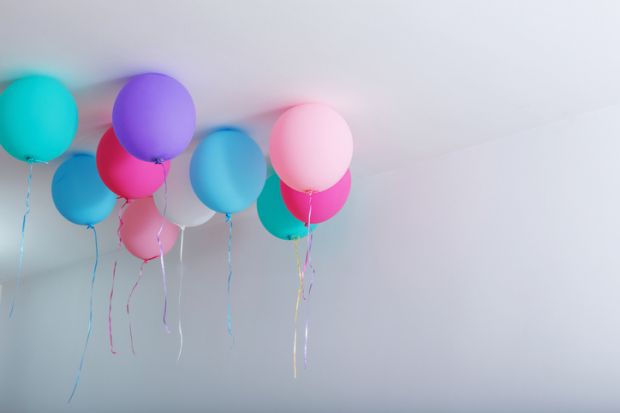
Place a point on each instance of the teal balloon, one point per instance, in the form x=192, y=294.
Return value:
x=79, y=193
x=274, y=215
x=38, y=119
x=228, y=171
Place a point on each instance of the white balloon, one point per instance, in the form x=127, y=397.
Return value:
x=183, y=206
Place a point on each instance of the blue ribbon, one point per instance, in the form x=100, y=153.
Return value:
x=90, y=315
x=230, y=273
x=20, y=265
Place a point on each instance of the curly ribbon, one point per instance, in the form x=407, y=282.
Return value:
x=161, y=249
x=308, y=308
x=306, y=345
x=299, y=292
x=20, y=265
x=229, y=279
x=308, y=263
x=119, y=245
x=180, y=292
x=140, y=274
x=90, y=315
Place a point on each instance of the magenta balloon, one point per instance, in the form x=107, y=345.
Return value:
x=141, y=224
x=154, y=117
x=325, y=204
x=124, y=174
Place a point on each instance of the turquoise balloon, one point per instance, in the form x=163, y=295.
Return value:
x=79, y=193
x=274, y=215
x=228, y=171
x=38, y=119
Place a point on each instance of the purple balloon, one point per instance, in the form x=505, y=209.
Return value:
x=154, y=117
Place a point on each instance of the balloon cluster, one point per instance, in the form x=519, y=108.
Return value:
x=311, y=147
x=142, y=160
x=153, y=123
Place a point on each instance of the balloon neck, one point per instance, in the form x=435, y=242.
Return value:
x=31, y=160
x=159, y=161
x=90, y=226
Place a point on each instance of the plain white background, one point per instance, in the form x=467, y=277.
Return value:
x=485, y=280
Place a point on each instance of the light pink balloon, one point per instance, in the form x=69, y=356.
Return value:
x=311, y=147
x=141, y=222
x=325, y=204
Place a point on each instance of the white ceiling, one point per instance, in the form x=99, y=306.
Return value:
x=414, y=78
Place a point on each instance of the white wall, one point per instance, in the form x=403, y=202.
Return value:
x=486, y=280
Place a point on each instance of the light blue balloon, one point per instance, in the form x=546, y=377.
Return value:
x=228, y=171
x=79, y=193
x=38, y=118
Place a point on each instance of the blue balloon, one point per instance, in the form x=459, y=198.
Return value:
x=79, y=193
x=228, y=171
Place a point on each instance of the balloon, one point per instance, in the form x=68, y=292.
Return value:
x=141, y=223
x=311, y=147
x=154, y=117
x=125, y=175
x=228, y=171
x=182, y=206
x=325, y=204
x=273, y=213
x=78, y=192
x=38, y=118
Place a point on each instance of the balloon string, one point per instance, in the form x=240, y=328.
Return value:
x=229, y=279
x=309, y=241
x=306, y=345
x=181, y=248
x=133, y=351
x=161, y=250
x=308, y=263
x=20, y=265
x=90, y=315
x=299, y=291
x=180, y=292
x=119, y=245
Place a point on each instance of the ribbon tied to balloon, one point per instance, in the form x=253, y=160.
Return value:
x=38, y=122
x=183, y=209
x=81, y=197
x=147, y=235
x=154, y=119
x=129, y=178
x=227, y=173
x=311, y=147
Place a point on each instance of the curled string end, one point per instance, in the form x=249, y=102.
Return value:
x=181, y=271
x=127, y=307
x=90, y=315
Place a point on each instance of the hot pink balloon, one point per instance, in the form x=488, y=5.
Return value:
x=311, y=147
x=325, y=204
x=141, y=222
x=124, y=174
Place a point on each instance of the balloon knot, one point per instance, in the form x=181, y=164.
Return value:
x=228, y=216
x=90, y=226
x=159, y=161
